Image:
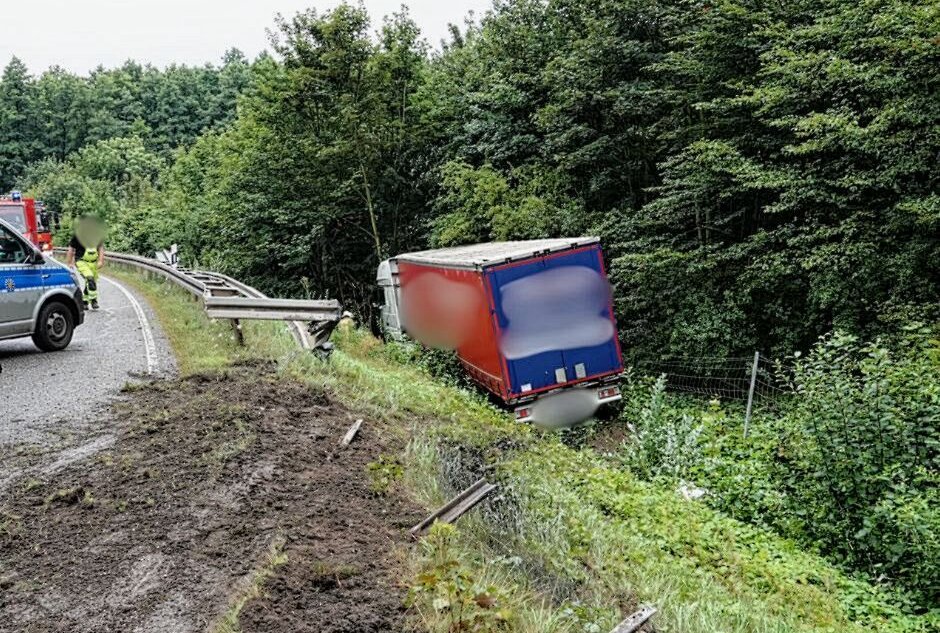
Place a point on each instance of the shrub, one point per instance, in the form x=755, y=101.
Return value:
x=666, y=442
x=446, y=595
x=869, y=423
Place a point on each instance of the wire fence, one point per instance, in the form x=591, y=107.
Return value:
x=754, y=381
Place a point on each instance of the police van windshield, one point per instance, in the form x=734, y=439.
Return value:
x=12, y=250
x=15, y=215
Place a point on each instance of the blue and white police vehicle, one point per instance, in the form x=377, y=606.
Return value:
x=39, y=297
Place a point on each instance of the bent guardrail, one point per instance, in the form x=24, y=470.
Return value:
x=223, y=297
x=271, y=309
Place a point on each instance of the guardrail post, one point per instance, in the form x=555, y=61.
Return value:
x=239, y=334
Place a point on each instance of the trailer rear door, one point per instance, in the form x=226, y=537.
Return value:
x=534, y=372
x=555, y=320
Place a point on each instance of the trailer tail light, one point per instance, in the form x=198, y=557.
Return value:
x=524, y=414
x=609, y=394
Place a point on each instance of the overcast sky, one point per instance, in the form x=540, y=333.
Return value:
x=80, y=34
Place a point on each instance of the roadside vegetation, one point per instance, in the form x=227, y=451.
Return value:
x=577, y=537
x=198, y=345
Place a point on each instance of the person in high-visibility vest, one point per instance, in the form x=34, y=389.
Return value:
x=87, y=260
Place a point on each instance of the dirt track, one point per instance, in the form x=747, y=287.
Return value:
x=208, y=482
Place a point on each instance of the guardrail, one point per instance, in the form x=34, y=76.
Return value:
x=311, y=322
x=271, y=309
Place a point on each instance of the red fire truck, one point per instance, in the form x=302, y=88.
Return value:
x=29, y=217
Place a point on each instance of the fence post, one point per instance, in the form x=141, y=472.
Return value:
x=750, y=394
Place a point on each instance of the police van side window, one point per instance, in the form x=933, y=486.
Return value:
x=12, y=250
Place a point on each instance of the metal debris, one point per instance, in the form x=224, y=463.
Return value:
x=635, y=621
x=457, y=507
x=351, y=433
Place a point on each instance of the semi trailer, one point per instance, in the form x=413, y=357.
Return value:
x=531, y=321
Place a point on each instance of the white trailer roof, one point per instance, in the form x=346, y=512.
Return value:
x=482, y=255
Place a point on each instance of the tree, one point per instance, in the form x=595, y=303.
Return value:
x=18, y=142
x=319, y=178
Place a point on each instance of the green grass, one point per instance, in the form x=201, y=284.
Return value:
x=574, y=542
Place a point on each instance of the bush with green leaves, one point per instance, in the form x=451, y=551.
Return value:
x=847, y=465
x=666, y=442
x=446, y=595
x=865, y=473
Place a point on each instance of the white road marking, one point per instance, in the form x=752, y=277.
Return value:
x=150, y=347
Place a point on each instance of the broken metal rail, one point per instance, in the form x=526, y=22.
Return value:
x=310, y=322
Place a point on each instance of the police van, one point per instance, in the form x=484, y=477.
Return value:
x=39, y=297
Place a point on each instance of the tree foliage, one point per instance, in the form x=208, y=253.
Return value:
x=58, y=113
x=760, y=175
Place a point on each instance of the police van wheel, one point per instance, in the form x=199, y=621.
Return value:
x=54, y=328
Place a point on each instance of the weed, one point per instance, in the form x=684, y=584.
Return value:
x=32, y=484
x=275, y=557
x=385, y=472
x=326, y=575
x=133, y=387
x=65, y=496
x=228, y=450
x=11, y=524
x=446, y=595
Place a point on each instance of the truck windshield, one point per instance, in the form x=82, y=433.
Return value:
x=15, y=215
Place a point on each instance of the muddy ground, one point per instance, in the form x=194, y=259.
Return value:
x=212, y=496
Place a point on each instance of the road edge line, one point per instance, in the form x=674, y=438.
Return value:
x=150, y=346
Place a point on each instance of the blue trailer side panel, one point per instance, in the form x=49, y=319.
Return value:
x=556, y=362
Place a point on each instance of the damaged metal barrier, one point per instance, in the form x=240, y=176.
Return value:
x=457, y=507
x=636, y=621
x=311, y=322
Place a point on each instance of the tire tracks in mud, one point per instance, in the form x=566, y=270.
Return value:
x=172, y=515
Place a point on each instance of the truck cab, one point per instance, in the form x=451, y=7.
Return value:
x=39, y=297
x=390, y=287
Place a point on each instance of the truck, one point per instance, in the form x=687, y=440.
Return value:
x=531, y=322
x=29, y=217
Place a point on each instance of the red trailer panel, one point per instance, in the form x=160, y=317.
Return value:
x=450, y=308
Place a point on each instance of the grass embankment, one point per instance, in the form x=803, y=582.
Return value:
x=573, y=541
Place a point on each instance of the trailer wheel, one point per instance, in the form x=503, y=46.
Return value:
x=54, y=328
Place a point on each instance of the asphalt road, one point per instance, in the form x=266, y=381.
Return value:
x=47, y=397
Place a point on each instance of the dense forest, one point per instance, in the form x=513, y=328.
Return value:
x=57, y=114
x=761, y=174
